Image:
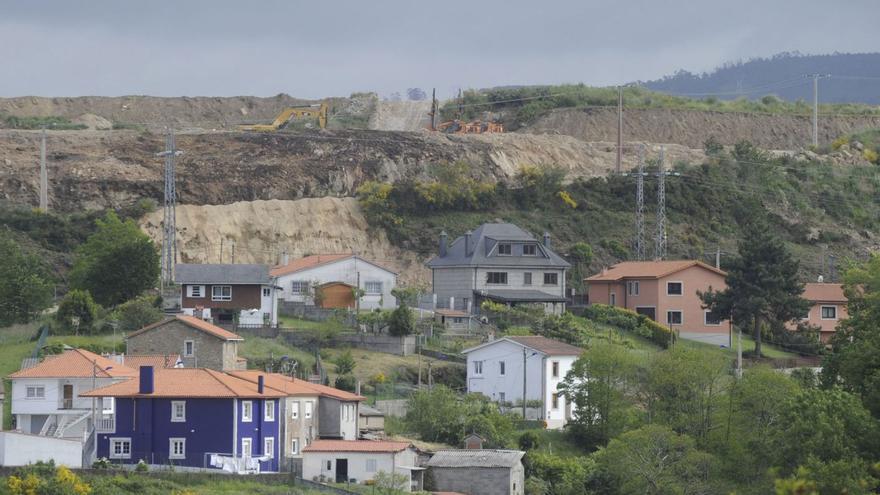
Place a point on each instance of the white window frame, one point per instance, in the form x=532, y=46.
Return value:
x=175, y=418
x=373, y=290
x=554, y=274
x=554, y=401
x=533, y=246
x=192, y=348
x=554, y=369
x=478, y=368
x=632, y=288
x=509, y=247
x=39, y=392
x=171, y=442
x=371, y=466
x=294, y=409
x=247, y=411
x=294, y=446
x=527, y=278
x=501, y=397
x=108, y=410
x=706, y=313
x=681, y=317
x=250, y=444
x=822, y=311
x=268, y=410
x=222, y=296
x=680, y=283
x=193, y=293
x=267, y=292
x=122, y=441
x=506, y=278
x=310, y=405
x=502, y=369
x=269, y=447
x=300, y=287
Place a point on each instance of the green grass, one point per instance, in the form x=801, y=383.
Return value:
x=298, y=323
x=554, y=442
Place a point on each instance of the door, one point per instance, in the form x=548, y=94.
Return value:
x=67, y=395
x=341, y=470
x=649, y=312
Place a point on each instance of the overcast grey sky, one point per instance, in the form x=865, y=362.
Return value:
x=326, y=48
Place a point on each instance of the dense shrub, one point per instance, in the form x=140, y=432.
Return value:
x=630, y=321
x=77, y=311
x=137, y=313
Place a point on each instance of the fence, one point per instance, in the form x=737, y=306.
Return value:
x=261, y=331
x=314, y=313
x=389, y=344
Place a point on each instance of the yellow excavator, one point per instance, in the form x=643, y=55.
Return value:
x=298, y=112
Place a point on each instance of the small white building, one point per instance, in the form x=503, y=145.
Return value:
x=22, y=449
x=358, y=461
x=496, y=370
x=298, y=279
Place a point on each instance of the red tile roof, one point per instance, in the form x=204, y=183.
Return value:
x=188, y=383
x=547, y=346
x=154, y=360
x=356, y=446
x=307, y=262
x=76, y=363
x=293, y=386
x=192, y=322
x=821, y=292
x=648, y=269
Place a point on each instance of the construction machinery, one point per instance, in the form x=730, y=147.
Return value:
x=473, y=127
x=298, y=112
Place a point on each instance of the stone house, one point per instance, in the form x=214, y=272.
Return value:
x=477, y=472
x=199, y=343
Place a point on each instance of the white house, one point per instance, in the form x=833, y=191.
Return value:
x=496, y=370
x=298, y=279
x=359, y=461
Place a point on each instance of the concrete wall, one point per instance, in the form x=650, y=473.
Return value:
x=209, y=351
x=345, y=271
x=402, y=346
x=478, y=481
x=338, y=419
x=19, y=449
x=299, y=428
x=458, y=283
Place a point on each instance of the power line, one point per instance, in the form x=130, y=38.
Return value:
x=660, y=239
x=640, y=207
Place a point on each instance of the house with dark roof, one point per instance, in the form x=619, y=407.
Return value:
x=358, y=461
x=228, y=293
x=477, y=471
x=502, y=369
x=200, y=344
x=498, y=262
x=334, y=276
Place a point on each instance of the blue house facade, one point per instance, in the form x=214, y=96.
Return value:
x=196, y=418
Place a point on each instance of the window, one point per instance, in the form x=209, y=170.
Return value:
x=221, y=293
x=269, y=414
x=197, y=291
x=309, y=406
x=246, y=450
x=269, y=446
x=247, y=411
x=178, y=411
x=632, y=287
x=612, y=300
x=371, y=466
x=530, y=250
x=501, y=368
x=294, y=410
x=35, y=392
x=501, y=397
x=554, y=366
x=120, y=448
x=373, y=287
x=108, y=405
x=177, y=448
x=554, y=401
x=711, y=318
x=478, y=367
x=674, y=288
x=829, y=312
x=267, y=292
x=188, y=348
x=294, y=446
x=496, y=277
x=504, y=250
x=551, y=279
x=673, y=317
x=299, y=287
x=329, y=465
x=527, y=278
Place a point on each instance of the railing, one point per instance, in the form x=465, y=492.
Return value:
x=105, y=424
x=66, y=403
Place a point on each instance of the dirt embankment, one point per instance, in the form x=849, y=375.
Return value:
x=692, y=128
x=401, y=116
x=260, y=231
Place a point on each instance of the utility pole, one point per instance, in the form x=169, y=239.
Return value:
x=233, y=251
x=739, y=353
x=619, y=127
x=525, y=374
x=44, y=174
x=816, y=78
x=460, y=105
x=430, y=377
x=640, y=206
x=221, y=250
x=660, y=239
x=169, y=227
x=433, y=113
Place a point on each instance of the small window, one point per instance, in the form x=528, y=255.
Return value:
x=527, y=278
x=294, y=446
x=554, y=366
x=269, y=411
x=309, y=406
x=294, y=410
x=674, y=288
x=329, y=465
x=612, y=300
x=188, y=348
x=504, y=250
x=177, y=448
x=501, y=397
x=373, y=287
x=108, y=405
x=221, y=293
x=496, y=277
x=551, y=278
x=246, y=449
x=269, y=447
x=267, y=292
x=554, y=401
x=673, y=317
x=35, y=392
x=299, y=287
x=247, y=411
x=829, y=312
x=196, y=291
x=530, y=250
x=478, y=367
x=501, y=368
x=711, y=319
x=178, y=411
x=371, y=466
x=632, y=287
x=120, y=448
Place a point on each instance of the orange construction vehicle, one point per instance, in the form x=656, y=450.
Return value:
x=473, y=127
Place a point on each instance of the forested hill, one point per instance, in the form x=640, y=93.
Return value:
x=855, y=78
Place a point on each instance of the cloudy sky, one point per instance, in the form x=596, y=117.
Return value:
x=326, y=47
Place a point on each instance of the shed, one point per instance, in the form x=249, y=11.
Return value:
x=478, y=472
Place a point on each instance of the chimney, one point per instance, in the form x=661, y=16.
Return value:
x=467, y=243
x=546, y=240
x=260, y=381
x=443, y=244
x=146, y=380
x=285, y=258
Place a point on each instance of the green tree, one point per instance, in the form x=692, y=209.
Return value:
x=137, y=313
x=762, y=283
x=581, y=255
x=402, y=322
x=345, y=363
x=77, y=305
x=25, y=287
x=562, y=474
x=116, y=263
x=440, y=415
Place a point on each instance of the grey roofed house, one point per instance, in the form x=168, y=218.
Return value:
x=185, y=273
x=484, y=239
x=478, y=471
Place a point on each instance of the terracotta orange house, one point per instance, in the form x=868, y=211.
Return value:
x=665, y=291
x=827, y=309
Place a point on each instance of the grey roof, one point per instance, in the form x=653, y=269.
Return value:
x=365, y=410
x=484, y=239
x=483, y=458
x=519, y=295
x=221, y=274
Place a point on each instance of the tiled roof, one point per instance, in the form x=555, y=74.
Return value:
x=293, y=386
x=154, y=360
x=193, y=322
x=479, y=458
x=541, y=344
x=237, y=274
x=307, y=262
x=821, y=292
x=356, y=446
x=648, y=269
x=188, y=383
x=76, y=363
x=484, y=238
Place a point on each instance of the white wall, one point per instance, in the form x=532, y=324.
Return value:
x=268, y=304
x=491, y=384
x=348, y=420
x=52, y=402
x=19, y=449
x=345, y=271
x=556, y=417
x=315, y=464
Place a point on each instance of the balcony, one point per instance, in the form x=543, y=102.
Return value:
x=105, y=423
x=66, y=404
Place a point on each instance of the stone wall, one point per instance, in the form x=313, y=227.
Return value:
x=473, y=480
x=169, y=338
x=401, y=346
